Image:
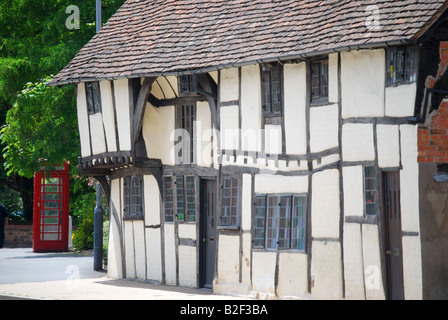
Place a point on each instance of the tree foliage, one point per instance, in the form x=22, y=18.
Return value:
x=39, y=123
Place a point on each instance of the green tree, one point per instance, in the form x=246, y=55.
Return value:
x=39, y=123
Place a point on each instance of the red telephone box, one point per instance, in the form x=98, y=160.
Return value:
x=50, y=226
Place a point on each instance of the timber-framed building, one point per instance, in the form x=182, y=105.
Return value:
x=265, y=148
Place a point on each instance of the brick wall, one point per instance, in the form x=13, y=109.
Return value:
x=433, y=140
x=18, y=236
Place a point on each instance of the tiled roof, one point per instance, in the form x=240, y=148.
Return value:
x=154, y=37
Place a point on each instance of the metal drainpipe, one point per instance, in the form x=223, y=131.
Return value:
x=98, y=212
x=98, y=232
x=98, y=15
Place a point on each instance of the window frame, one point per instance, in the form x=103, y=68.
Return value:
x=261, y=213
x=268, y=70
x=172, y=205
x=93, y=97
x=129, y=191
x=323, y=97
x=234, y=202
x=410, y=58
x=185, y=114
x=187, y=84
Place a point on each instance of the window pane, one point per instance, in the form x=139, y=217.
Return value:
x=266, y=90
x=298, y=223
x=370, y=190
x=191, y=199
x=168, y=199
x=315, y=80
x=259, y=222
x=284, y=223
x=324, y=79
x=230, y=202
x=180, y=198
x=411, y=64
x=271, y=87
x=271, y=223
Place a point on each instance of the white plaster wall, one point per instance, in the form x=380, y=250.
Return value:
x=158, y=133
x=324, y=127
x=121, y=89
x=357, y=142
x=353, y=191
x=267, y=183
x=228, y=259
x=114, y=264
x=229, y=85
x=251, y=104
x=152, y=200
x=409, y=181
x=372, y=262
x=187, y=231
x=292, y=275
x=363, y=82
x=410, y=222
x=388, y=144
x=326, y=270
x=295, y=108
x=246, y=259
x=107, y=108
x=140, y=249
x=273, y=139
x=333, y=82
x=83, y=120
x=154, y=255
x=203, y=131
x=97, y=133
x=400, y=100
x=412, y=268
x=129, y=250
x=230, y=127
x=353, y=262
x=188, y=269
x=170, y=254
x=325, y=209
x=263, y=272
x=246, y=199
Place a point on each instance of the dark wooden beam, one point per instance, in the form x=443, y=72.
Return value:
x=139, y=108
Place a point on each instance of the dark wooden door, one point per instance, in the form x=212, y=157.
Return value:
x=394, y=255
x=208, y=233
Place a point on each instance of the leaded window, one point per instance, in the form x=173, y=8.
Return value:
x=186, y=84
x=271, y=89
x=370, y=190
x=184, y=146
x=401, y=65
x=230, y=201
x=280, y=222
x=179, y=198
x=93, y=96
x=319, y=81
x=133, y=197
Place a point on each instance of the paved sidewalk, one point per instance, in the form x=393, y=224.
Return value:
x=68, y=276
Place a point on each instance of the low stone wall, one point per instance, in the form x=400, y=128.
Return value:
x=18, y=236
